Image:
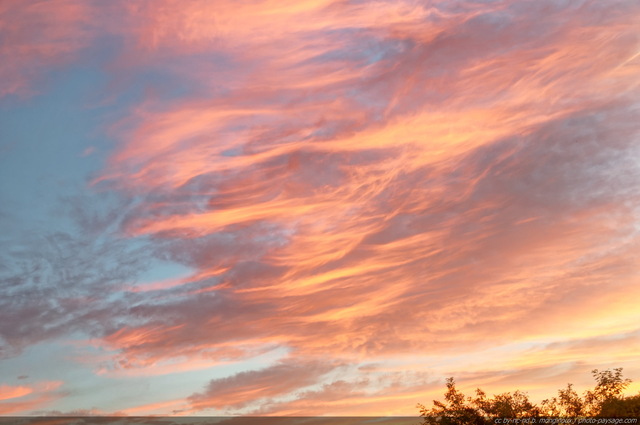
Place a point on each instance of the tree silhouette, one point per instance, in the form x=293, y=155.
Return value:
x=605, y=400
x=457, y=409
x=627, y=407
x=609, y=387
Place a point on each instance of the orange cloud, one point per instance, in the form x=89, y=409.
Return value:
x=8, y=391
x=171, y=406
x=374, y=180
x=23, y=399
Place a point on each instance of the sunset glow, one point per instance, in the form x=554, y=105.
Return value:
x=314, y=207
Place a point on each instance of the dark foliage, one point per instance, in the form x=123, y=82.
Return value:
x=605, y=400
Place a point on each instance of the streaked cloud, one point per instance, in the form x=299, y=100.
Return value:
x=245, y=387
x=14, y=399
x=38, y=36
x=370, y=187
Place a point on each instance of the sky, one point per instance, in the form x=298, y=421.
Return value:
x=314, y=207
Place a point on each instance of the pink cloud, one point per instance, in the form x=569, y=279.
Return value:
x=38, y=36
x=480, y=165
x=8, y=391
x=22, y=399
x=363, y=181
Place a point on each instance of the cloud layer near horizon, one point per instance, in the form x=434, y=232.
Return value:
x=353, y=183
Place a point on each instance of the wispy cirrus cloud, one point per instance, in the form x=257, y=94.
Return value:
x=239, y=390
x=464, y=177
x=58, y=282
x=21, y=398
x=37, y=36
x=363, y=180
